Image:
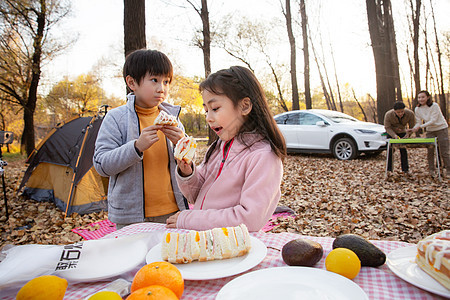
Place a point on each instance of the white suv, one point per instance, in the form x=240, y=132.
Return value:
x=327, y=131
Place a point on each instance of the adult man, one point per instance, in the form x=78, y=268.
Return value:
x=395, y=122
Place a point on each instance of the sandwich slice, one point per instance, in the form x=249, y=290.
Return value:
x=184, y=250
x=222, y=243
x=247, y=240
x=213, y=244
x=173, y=247
x=185, y=149
x=204, y=247
x=209, y=245
x=165, y=119
x=239, y=235
x=194, y=237
x=165, y=247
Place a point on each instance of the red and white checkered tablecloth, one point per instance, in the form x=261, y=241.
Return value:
x=378, y=283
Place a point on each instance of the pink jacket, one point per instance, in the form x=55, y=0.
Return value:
x=247, y=190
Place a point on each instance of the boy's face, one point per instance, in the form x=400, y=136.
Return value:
x=151, y=91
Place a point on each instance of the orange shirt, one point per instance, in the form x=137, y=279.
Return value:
x=158, y=192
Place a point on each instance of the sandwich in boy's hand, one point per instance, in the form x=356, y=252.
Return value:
x=214, y=244
x=185, y=149
x=165, y=119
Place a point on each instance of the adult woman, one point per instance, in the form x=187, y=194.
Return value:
x=435, y=125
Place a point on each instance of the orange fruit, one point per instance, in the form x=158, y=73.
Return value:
x=343, y=261
x=159, y=273
x=153, y=292
x=46, y=287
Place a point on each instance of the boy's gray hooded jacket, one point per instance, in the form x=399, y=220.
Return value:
x=115, y=157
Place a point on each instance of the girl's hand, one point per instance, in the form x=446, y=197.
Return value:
x=173, y=133
x=185, y=168
x=171, y=221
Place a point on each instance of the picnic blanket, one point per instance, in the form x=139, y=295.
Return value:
x=99, y=229
x=378, y=283
x=95, y=230
x=273, y=221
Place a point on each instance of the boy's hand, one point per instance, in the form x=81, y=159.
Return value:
x=148, y=137
x=185, y=168
x=173, y=133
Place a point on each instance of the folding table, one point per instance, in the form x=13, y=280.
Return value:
x=413, y=143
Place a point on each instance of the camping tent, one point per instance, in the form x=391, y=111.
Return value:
x=60, y=168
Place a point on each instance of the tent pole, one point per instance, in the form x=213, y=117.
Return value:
x=2, y=164
x=72, y=185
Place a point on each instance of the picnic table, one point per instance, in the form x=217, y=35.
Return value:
x=413, y=143
x=378, y=283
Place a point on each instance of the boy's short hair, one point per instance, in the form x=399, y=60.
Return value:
x=140, y=62
x=399, y=105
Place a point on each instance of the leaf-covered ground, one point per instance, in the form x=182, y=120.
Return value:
x=330, y=197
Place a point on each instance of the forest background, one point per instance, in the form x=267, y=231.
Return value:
x=358, y=57
x=353, y=56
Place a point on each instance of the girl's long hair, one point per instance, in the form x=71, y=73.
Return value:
x=237, y=83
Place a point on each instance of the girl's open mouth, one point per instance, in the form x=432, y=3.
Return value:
x=217, y=129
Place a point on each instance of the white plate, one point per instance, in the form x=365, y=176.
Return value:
x=105, y=258
x=402, y=263
x=214, y=269
x=291, y=283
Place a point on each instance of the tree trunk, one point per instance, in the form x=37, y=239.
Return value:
x=204, y=14
x=206, y=48
x=134, y=25
x=379, y=19
x=308, y=100
x=341, y=105
x=280, y=92
x=325, y=70
x=28, y=131
x=28, y=141
x=360, y=106
x=442, y=100
x=288, y=16
x=415, y=15
x=333, y=102
x=393, y=51
x=322, y=82
x=411, y=78
x=373, y=106
x=427, y=59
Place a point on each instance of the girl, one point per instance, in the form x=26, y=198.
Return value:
x=239, y=179
x=435, y=125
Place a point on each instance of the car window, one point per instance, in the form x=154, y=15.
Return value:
x=280, y=119
x=338, y=117
x=309, y=119
x=293, y=119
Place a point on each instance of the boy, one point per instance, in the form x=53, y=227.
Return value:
x=136, y=155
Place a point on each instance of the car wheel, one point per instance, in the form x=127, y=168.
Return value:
x=345, y=149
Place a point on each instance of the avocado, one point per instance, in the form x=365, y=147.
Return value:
x=369, y=254
x=302, y=252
